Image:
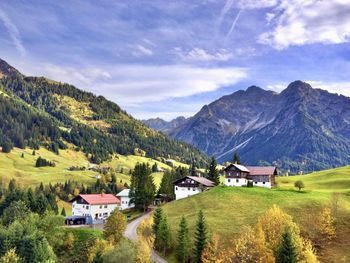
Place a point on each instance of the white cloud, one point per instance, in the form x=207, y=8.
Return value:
x=141, y=50
x=300, y=22
x=255, y=4
x=132, y=85
x=14, y=33
x=198, y=54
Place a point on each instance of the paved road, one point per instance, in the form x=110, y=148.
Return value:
x=131, y=233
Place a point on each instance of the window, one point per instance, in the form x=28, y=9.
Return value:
x=87, y=207
x=106, y=206
x=263, y=182
x=105, y=214
x=229, y=180
x=100, y=206
x=176, y=188
x=83, y=206
x=237, y=180
x=255, y=182
x=188, y=188
x=194, y=189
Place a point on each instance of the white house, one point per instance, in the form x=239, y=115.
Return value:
x=97, y=206
x=125, y=199
x=191, y=185
x=239, y=175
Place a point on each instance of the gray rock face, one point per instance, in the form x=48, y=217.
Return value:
x=299, y=129
x=164, y=126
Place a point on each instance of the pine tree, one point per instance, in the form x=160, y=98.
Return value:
x=157, y=218
x=236, y=158
x=166, y=186
x=33, y=153
x=286, y=252
x=213, y=172
x=200, y=237
x=63, y=212
x=182, y=246
x=193, y=168
x=163, y=236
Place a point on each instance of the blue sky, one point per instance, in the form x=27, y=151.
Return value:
x=169, y=58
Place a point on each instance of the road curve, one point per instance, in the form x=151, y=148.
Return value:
x=131, y=233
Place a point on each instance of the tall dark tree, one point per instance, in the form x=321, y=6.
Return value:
x=286, y=252
x=201, y=237
x=162, y=241
x=6, y=147
x=236, y=158
x=63, y=212
x=157, y=218
x=183, y=240
x=193, y=170
x=166, y=185
x=213, y=173
x=142, y=188
x=154, y=168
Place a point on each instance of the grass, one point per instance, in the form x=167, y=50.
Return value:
x=333, y=180
x=227, y=209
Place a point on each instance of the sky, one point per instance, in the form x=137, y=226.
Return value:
x=166, y=58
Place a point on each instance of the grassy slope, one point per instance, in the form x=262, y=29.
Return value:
x=25, y=172
x=227, y=209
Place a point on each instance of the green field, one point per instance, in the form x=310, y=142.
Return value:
x=12, y=165
x=227, y=209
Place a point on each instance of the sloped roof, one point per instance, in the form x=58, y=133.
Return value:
x=261, y=170
x=239, y=167
x=201, y=180
x=98, y=199
x=124, y=193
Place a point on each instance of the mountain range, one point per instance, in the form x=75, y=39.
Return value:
x=38, y=112
x=300, y=129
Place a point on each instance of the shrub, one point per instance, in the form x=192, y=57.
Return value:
x=299, y=184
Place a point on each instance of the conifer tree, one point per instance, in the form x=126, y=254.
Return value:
x=200, y=237
x=286, y=252
x=157, y=218
x=236, y=158
x=182, y=246
x=193, y=168
x=63, y=212
x=163, y=236
x=213, y=172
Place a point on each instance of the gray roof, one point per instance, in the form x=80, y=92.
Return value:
x=202, y=180
x=124, y=193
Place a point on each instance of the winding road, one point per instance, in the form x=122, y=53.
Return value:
x=131, y=233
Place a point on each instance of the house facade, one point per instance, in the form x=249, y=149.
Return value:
x=239, y=175
x=96, y=206
x=125, y=199
x=191, y=185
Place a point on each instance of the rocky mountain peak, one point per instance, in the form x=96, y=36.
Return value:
x=7, y=70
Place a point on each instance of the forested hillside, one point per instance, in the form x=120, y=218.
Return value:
x=37, y=111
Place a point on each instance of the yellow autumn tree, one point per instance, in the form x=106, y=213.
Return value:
x=308, y=253
x=275, y=221
x=143, y=251
x=326, y=224
x=10, y=257
x=251, y=247
x=98, y=249
x=211, y=252
x=114, y=227
x=69, y=241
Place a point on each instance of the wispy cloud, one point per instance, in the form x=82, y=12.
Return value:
x=199, y=54
x=13, y=32
x=234, y=24
x=135, y=84
x=297, y=23
x=141, y=50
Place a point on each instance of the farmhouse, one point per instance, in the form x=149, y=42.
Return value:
x=191, y=185
x=239, y=175
x=96, y=206
x=125, y=199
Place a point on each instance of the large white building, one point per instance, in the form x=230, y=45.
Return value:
x=191, y=185
x=239, y=175
x=125, y=199
x=96, y=206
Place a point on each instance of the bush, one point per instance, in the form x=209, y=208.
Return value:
x=6, y=147
x=299, y=184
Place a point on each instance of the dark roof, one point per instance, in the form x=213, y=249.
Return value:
x=262, y=170
x=98, y=199
x=201, y=180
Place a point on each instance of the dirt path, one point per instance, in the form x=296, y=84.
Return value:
x=131, y=233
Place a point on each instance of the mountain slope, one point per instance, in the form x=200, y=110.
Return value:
x=300, y=129
x=164, y=126
x=93, y=124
